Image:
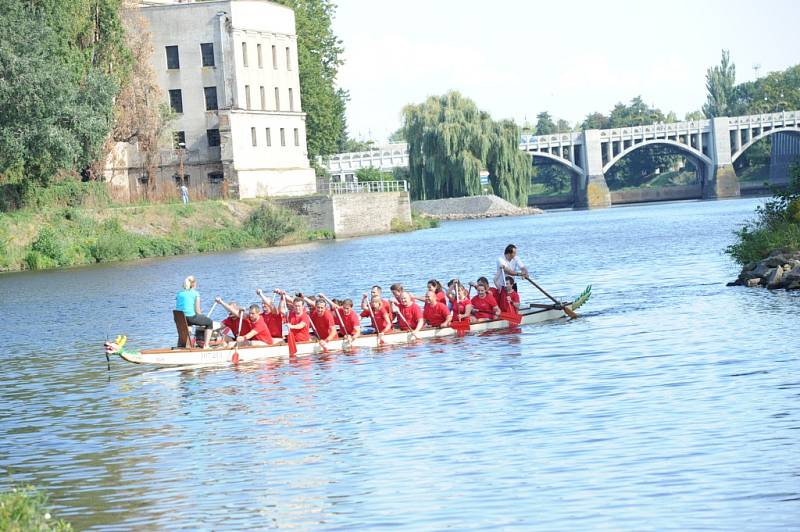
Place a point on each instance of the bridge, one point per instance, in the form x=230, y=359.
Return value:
x=712, y=144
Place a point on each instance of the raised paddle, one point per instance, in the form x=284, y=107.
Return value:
x=341, y=322
x=290, y=341
x=560, y=306
x=235, y=356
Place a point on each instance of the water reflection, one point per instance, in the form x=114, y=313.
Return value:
x=670, y=404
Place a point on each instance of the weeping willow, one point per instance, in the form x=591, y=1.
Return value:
x=450, y=141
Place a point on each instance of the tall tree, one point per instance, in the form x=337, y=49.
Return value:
x=595, y=121
x=720, y=81
x=318, y=55
x=545, y=124
x=450, y=141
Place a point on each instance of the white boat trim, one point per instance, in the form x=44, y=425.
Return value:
x=194, y=356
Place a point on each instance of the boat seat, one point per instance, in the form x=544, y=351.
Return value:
x=185, y=337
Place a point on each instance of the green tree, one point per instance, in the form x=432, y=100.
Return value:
x=545, y=124
x=720, y=86
x=318, y=55
x=55, y=111
x=399, y=135
x=371, y=173
x=595, y=121
x=450, y=141
x=694, y=115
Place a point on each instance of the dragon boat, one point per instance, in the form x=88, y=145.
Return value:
x=190, y=356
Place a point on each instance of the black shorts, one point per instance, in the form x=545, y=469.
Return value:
x=200, y=320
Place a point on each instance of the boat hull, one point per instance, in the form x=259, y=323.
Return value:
x=185, y=357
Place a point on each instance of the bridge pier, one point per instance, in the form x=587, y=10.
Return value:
x=721, y=180
x=593, y=190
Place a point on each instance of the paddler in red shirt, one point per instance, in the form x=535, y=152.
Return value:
x=323, y=322
x=435, y=313
x=258, y=333
x=376, y=292
x=508, y=297
x=231, y=327
x=381, y=320
x=271, y=314
x=299, y=321
x=484, y=305
x=409, y=315
x=348, y=321
x=459, y=299
x=437, y=287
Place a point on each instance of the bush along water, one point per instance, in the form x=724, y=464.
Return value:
x=24, y=508
x=768, y=247
x=62, y=235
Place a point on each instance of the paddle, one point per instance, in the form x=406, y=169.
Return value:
x=319, y=338
x=461, y=326
x=511, y=317
x=235, y=356
x=379, y=340
x=568, y=311
x=290, y=341
x=341, y=321
x=396, y=304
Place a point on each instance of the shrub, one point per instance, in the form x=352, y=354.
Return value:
x=23, y=509
x=776, y=225
x=51, y=246
x=269, y=224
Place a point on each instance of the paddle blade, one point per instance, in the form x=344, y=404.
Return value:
x=460, y=325
x=292, y=343
x=511, y=317
x=235, y=357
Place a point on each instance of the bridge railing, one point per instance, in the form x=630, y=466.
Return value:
x=364, y=187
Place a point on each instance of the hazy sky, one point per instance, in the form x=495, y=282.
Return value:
x=517, y=58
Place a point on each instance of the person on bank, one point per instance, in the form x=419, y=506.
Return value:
x=509, y=264
x=188, y=302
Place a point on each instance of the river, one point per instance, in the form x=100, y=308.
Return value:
x=671, y=403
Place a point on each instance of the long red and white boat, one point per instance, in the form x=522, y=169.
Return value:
x=176, y=356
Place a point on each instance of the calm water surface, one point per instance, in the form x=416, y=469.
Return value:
x=671, y=404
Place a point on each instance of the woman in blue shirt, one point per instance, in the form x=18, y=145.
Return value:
x=188, y=301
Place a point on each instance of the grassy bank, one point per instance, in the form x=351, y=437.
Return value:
x=61, y=230
x=24, y=509
x=775, y=227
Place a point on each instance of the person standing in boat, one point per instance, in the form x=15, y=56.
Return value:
x=509, y=264
x=188, y=301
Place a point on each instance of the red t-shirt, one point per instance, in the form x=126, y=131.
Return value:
x=262, y=332
x=323, y=324
x=274, y=323
x=232, y=323
x=304, y=334
x=502, y=300
x=347, y=322
x=435, y=314
x=484, y=308
x=461, y=305
x=412, y=315
x=380, y=319
x=441, y=297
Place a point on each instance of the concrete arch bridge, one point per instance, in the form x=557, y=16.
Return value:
x=713, y=145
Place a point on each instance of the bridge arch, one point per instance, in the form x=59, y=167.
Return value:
x=564, y=162
x=682, y=147
x=765, y=134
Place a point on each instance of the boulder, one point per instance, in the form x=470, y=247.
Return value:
x=775, y=261
x=792, y=275
x=794, y=285
x=761, y=270
x=753, y=282
x=773, y=279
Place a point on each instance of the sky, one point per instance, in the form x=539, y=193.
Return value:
x=516, y=59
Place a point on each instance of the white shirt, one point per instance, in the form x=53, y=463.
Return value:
x=514, y=264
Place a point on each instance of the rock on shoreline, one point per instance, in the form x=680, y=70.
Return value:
x=470, y=207
x=779, y=270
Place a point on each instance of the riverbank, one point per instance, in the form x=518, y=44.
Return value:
x=470, y=207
